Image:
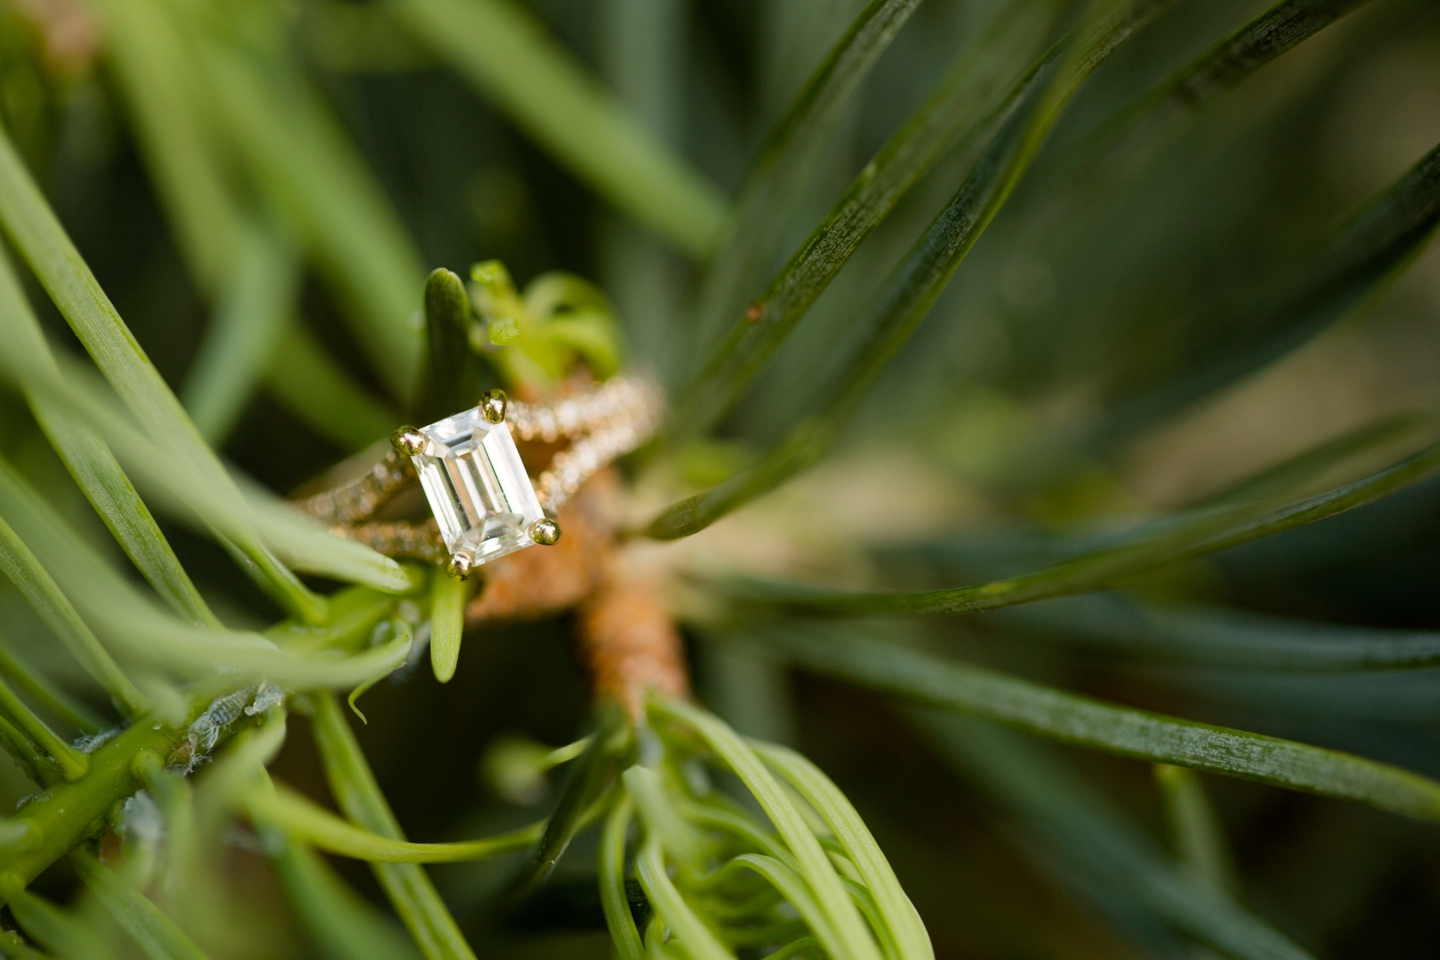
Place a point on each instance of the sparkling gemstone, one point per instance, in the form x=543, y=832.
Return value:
x=477, y=486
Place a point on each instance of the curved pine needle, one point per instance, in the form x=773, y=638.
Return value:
x=796, y=948
x=1345, y=277
x=28, y=357
x=73, y=763
x=353, y=614
x=333, y=912
x=699, y=942
x=788, y=883
x=311, y=824
x=805, y=445
x=661, y=816
x=156, y=933
x=144, y=630
x=186, y=492
x=104, y=483
x=40, y=238
x=894, y=907
x=768, y=198
x=980, y=91
x=914, y=285
x=15, y=946
x=740, y=827
x=613, y=900
x=1293, y=472
x=33, y=762
x=358, y=795
x=813, y=863
x=59, y=931
x=863, y=658
x=1180, y=539
x=587, y=782
x=1275, y=31
x=34, y=582
x=50, y=698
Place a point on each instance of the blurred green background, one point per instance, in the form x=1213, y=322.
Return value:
x=1109, y=351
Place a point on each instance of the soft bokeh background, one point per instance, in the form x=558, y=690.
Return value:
x=1053, y=387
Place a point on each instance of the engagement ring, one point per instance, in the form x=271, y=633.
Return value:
x=483, y=501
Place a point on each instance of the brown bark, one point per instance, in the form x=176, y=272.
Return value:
x=630, y=645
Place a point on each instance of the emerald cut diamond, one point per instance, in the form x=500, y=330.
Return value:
x=477, y=486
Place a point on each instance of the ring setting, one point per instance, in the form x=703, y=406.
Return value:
x=484, y=503
x=476, y=484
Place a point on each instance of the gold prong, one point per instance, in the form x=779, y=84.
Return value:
x=545, y=531
x=461, y=565
x=408, y=440
x=493, y=406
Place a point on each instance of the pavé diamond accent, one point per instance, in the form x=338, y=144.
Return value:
x=477, y=486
